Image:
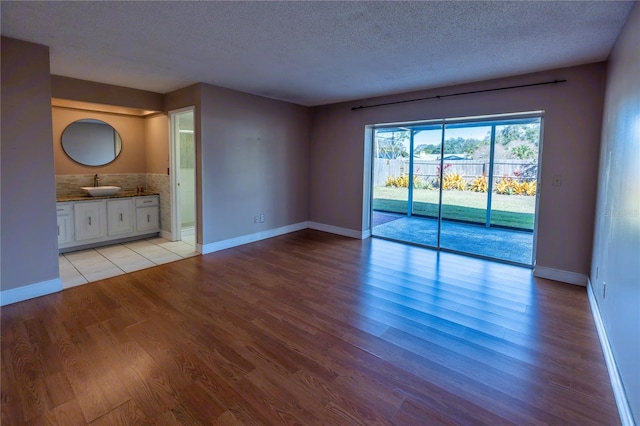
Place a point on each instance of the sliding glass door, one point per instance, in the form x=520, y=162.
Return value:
x=403, y=182
x=466, y=186
x=465, y=167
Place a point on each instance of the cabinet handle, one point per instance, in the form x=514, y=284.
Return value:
x=148, y=201
x=89, y=220
x=58, y=230
x=60, y=210
x=148, y=218
x=120, y=217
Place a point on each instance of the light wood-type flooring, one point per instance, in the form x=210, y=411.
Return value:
x=308, y=328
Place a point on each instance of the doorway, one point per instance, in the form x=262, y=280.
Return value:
x=183, y=176
x=462, y=185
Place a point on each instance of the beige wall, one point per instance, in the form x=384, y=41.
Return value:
x=145, y=140
x=100, y=93
x=182, y=98
x=28, y=239
x=156, y=134
x=156, y=129
x=616, y=251
x=253, y=158
x=572, y=123
x=132, y=158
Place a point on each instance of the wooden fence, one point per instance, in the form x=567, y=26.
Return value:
x=429, y=170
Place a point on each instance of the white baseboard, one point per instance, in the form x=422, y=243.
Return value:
x=624, y=410
x=187, y=232
x=52, y=286
x=31, y=291
x=361, y=235
x=251, y=238
x=184, y=233
x=560, y=275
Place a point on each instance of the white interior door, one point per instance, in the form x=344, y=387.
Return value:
x=183, y=176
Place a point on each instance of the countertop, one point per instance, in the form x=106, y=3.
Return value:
x=119, y=194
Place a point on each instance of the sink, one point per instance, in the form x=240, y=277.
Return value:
x=101, y=191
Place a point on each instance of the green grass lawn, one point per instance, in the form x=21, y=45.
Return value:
x=515, y=211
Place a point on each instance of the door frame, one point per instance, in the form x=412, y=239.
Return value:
x=174, y=165
x=369, y=165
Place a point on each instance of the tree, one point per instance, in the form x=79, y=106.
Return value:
x=518, y=133
x=523, y=152
x=427, y=149
x=391, y=145
x=461, y=146
x=451, y=146
x=484, y=152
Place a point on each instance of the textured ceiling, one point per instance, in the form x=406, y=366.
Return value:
x=313, y=53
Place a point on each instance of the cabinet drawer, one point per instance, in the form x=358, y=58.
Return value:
x=146, y=201
x=63, y=209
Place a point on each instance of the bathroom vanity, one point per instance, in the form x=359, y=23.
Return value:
x=85, y=222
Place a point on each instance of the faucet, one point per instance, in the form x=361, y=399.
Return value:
x=96, y=179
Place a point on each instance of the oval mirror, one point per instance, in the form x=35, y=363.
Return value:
x=91, y=142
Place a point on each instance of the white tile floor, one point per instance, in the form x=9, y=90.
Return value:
x=81, y=267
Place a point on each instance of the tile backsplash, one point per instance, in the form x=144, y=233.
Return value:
x=69, y=185
x=161, y=184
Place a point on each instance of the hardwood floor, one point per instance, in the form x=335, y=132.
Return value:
x=308, y=328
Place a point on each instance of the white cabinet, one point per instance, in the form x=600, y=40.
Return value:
x=89, y=220
x=147, y=213
x=146, y=218
x=119, y=217
x=91, y=223
x=65, y=223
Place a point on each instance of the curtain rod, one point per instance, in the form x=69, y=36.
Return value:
x=459, y=94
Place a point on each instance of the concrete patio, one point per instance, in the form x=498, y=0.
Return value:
x=495, y=243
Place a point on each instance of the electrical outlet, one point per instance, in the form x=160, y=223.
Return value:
x=604, y=290
x=261, y=218
x=256, y=219
x=557, y=180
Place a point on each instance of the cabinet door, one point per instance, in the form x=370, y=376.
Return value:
x=119, y=217
x=89, y=220
x=64, y=230
x=147, y=219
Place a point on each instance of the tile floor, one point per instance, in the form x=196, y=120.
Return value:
x=81, y=267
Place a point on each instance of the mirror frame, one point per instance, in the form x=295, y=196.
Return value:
x=69, y=132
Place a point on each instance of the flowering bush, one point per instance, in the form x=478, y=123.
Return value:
x=528, y=188
x=505, y=186
x=402, y=181
x=454, y=181
x=480, y=184
x=508, y=186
